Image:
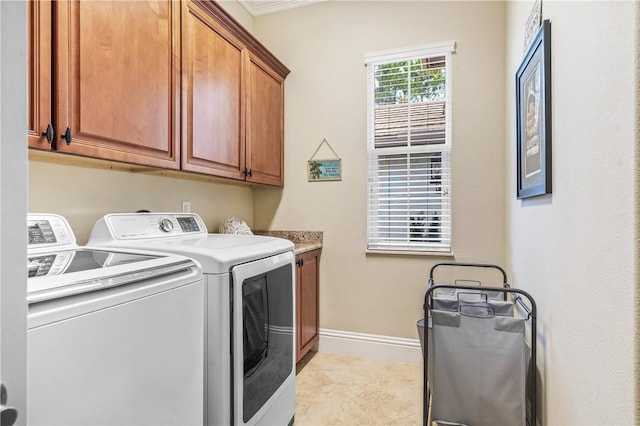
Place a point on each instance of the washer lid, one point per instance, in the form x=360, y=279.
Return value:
x=187, y=236
x=78, y=260
x=216, y=253
x=63, y=273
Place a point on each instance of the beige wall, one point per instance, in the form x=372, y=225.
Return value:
x=324, y=46
x=574, y=250
x=84, y=194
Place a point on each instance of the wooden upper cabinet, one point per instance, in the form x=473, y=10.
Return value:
x=167, y=84
x=265, y=124
x=39, y=78
x=117, y=81
x=232, y=99
x=212, y=96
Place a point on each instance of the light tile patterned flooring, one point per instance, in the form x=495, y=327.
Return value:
x=339, y=390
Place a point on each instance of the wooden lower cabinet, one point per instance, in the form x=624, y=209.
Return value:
x=307, y=307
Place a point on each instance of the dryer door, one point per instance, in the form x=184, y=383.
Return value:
x=263, y=341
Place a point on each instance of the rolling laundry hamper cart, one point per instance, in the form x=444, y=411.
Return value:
x=478, y=369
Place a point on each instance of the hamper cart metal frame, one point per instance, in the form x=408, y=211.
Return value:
x=517, y=295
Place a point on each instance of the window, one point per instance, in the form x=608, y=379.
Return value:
x=409, y=149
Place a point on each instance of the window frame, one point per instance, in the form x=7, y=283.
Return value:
x=375, y=245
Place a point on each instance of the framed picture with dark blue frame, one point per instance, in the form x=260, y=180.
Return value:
x=533, y=122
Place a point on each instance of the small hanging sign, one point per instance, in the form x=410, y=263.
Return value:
x=324, y=170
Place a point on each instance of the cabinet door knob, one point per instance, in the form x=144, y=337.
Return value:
x=67, y=136
x=49, y=133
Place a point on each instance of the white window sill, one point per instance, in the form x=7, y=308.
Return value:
x=409, y=253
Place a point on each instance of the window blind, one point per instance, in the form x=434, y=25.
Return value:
x=409, y=149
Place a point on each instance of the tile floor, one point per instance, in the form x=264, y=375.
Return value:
x=339, y=390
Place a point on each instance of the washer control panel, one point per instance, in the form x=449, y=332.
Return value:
x=48, y=230
x=188, y=224
x=133, y=226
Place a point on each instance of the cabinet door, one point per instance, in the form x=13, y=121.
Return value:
x=307, y=301
x=117, y=82
x=298, y=309
x=265, y=124
x=212, y=96
x=39, y=72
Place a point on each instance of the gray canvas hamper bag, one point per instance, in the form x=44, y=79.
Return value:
x=479, y=368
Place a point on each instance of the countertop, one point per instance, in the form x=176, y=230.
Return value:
x=303, y=241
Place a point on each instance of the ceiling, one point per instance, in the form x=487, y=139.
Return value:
x=262, y=7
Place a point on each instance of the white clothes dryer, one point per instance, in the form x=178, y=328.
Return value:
x=114, y=336
x=249, y=293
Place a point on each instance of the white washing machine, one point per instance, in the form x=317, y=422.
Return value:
x=114, y=336
x=249, y=292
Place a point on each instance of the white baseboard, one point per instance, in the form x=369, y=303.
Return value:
x=371, y=346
